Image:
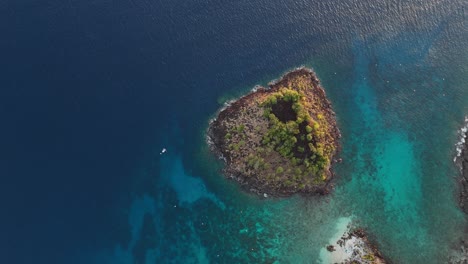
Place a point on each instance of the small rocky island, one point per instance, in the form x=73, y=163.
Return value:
x=279, y=140
x=355, y=248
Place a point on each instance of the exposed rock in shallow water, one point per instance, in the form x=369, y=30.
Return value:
x=460, y=255
x=354, y=247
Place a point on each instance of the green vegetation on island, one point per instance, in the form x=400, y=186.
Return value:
x=280, y=140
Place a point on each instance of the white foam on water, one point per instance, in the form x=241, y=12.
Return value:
x=461, y=141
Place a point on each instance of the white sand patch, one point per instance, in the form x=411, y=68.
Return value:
x=349, y=246
x=341, y=253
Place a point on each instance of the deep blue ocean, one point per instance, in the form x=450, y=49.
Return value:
x=91, y=91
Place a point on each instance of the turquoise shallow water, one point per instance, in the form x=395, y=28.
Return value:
x=392, y=182
x=396, y=73
x=92, y=91
x=386, y=186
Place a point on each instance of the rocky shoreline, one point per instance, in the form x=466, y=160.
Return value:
x=463, y=163
x=460, y=255
x=243, y=113
x=370, y=250
x=353, y=247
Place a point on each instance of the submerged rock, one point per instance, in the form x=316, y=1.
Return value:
x=279, y=140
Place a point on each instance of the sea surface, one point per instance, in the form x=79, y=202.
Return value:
x=91, y=91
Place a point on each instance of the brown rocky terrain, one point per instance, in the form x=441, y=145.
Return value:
x=279, y=140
